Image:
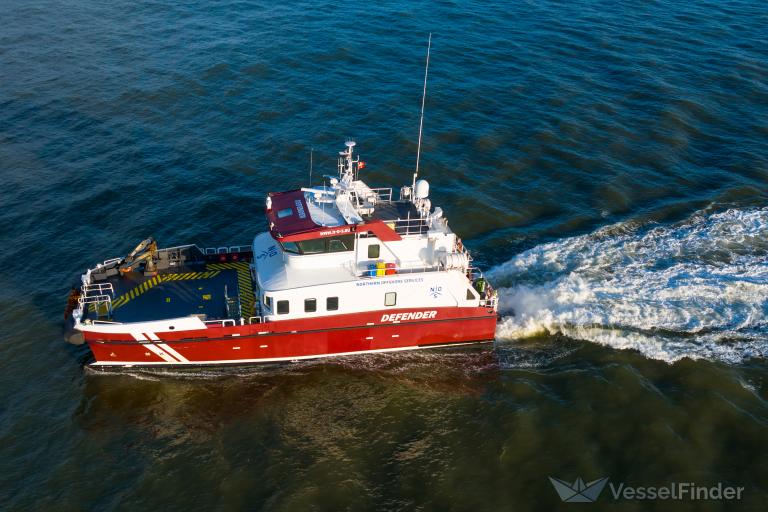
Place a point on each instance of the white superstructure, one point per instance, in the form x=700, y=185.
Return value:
x=349, y=248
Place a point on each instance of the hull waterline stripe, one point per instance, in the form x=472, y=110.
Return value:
x=287, y=359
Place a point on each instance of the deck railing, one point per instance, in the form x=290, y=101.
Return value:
x=98, y=289
x=226, y=250
x=383, y=195
x=220, y=323
x=414, y=226
x=98, y=294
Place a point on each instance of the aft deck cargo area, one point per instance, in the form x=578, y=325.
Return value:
x=215, y=287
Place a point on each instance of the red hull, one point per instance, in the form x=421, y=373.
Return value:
x=289, y=340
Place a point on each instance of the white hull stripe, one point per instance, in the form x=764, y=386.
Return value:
x=282, y=359
x=158, y=351
x=173, y=352
x=165, y=352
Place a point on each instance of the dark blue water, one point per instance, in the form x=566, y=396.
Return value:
x=607, y=160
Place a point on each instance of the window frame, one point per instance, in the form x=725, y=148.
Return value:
x=340, y=239
x=344, y=243
x=290, y=247
x=313, y=301
x=387, y=297
x=307, y=244
x=328, y=303
x=378, y=251
x=287, y=304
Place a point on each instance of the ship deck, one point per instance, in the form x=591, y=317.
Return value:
x=197, y=289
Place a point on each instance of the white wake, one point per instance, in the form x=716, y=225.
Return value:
x=696, y=289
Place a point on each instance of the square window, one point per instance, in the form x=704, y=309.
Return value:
x=282, y=307
x=285, y=212
x=373, y=251
x=310, y=305
x=390, y=299
x=332, y=303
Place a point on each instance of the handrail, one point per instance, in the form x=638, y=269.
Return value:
x=222, y=323
x=100, y=288
x=91, y=299
x=414, y=226
x=176, y=248
x=225, y=250
x=383, y=194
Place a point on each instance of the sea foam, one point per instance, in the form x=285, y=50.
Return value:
x=697, y=289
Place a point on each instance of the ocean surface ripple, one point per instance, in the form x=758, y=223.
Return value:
x=606, y=161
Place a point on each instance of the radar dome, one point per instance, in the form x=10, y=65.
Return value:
x=422, y=189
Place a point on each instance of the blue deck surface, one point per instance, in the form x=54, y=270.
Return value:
x=189, y=291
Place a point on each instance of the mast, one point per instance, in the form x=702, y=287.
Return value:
x=421, y=120
x=346, y=172
x=311, y=163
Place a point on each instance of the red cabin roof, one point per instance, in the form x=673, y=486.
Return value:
x=290, y=220
x=289, y=214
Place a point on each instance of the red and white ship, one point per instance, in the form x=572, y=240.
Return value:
x=342, y=269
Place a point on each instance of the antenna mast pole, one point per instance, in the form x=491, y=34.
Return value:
x=421, y=120
x=311, y=151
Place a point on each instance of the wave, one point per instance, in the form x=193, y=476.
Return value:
x=696, y=289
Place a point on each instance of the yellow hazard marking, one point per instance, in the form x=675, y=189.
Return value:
x=207, y=296
x=151, y=283
x=244, y=284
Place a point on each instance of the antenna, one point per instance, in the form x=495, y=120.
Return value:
x=311, y=150
x=421, y=120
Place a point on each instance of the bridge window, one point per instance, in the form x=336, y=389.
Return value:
x=332, y=303
x=321, y=245
x=290, y=247
x=373, y=251
x=341, y=243
x=282, y=307
x=390, y=299
x=314, y=246
x=310, y=305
